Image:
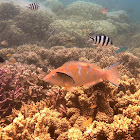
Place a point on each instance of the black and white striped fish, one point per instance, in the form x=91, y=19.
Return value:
x=99, y=40
x=33, y=6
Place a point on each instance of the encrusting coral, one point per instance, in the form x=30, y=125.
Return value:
x=8, y=11
x=87, y=10
x=19, y=26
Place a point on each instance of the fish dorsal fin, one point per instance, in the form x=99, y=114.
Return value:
x=65, y=74
x=101, y=35
x=75, y=62
x=93, y=66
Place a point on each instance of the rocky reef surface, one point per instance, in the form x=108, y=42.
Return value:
x=32, y=109
x=71, y=23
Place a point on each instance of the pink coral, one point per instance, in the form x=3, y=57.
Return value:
x=10, y=89
x=19, y=83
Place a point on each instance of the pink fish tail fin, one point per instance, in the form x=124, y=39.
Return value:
x=112, y=74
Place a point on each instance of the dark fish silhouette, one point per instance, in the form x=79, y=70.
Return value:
x=53, y=32
x=2, y=60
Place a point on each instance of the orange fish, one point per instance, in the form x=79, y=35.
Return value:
x=88, y=122
x=12, y=60
x=103, y=10
x=76, y=73
x=93, y=106
x=9, y=55
x=5, y=43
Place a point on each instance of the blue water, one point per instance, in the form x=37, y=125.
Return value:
x=132, y=7
x=121, y=22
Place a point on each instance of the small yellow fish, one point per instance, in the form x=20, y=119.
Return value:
x=4, y=43
x=88, y=122
x=9, y=55
x=85, y=32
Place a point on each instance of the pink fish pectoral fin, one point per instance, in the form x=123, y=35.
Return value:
x=65, y=75
x=93, y=83
x=71, y=89
x=68, y=88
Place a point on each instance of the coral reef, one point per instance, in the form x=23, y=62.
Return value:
x=58, y=55
x=12, y=34
x=50, y=112
x=18, y=83
x=34, y=24
x=118, y=16
x=10, y=89
x=134, y=43
x=42, y=124
x=8, y=11
x=86, y=10
x=100, y=26
x=56, y=6
x=31, y=109
x=24, y=27
x=20, y=26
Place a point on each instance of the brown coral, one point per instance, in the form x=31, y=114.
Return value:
x=59, y=114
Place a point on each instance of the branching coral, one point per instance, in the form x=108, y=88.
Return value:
x=10, y=89
x=83, y=100
x=58, y=55
x=38, y=121
x=57, y=100
x=16, y=85
x=58, y=113
x=43, y=125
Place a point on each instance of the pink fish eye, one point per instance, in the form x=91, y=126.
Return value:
x=53, y=75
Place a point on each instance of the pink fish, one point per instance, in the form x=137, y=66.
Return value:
x=76, y=73
x=103, y=10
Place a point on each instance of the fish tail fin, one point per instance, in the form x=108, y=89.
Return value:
x=112, y=74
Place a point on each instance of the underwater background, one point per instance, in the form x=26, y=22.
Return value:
x=37, y=37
